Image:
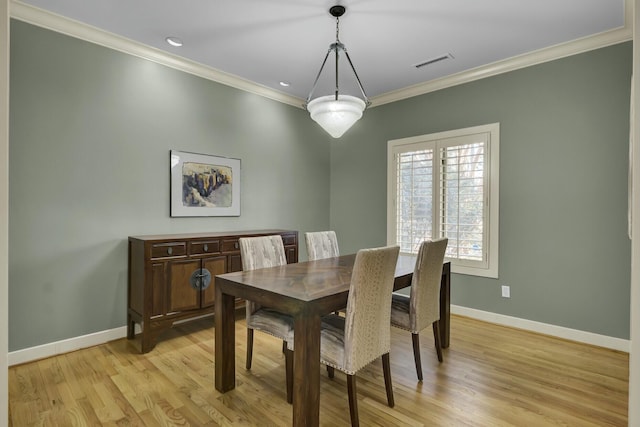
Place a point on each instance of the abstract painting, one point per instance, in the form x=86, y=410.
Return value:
x=204, y=185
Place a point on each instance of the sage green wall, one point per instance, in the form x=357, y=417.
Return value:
x=564, y=128
x=91, y=130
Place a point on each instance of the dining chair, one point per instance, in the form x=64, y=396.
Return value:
x=263, y=252
x=421, y=308
x=321, y=244
x=350, y=343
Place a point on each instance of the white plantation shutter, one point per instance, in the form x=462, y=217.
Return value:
x=446, y=185
x=415, y=199
x=462, y=198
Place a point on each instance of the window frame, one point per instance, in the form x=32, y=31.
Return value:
x=488, y=267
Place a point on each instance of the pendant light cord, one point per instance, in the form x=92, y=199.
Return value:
x=337, y=44
x=336, y=47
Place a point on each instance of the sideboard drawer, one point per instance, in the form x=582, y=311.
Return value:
x=230, y=245
x=204, y=247
x=168, y=250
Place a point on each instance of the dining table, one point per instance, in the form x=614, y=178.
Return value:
x=306, y=291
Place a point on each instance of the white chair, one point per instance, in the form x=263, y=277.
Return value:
x=422, y=307
x=263, y=252
x=350, y=343
x=321, y=244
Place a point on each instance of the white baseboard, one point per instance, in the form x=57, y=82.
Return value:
x=59, y=347
x=545, y=328
x=65, y=346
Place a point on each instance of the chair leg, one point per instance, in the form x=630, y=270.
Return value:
x=330, y=371
x=249, y=347
x=386, y=369
x=288, y=357
x=353, y=401
x=416, y=355
x=436, y=338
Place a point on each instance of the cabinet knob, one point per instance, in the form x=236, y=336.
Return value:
x=235, y=245
x=169, y=250
x=206, y=247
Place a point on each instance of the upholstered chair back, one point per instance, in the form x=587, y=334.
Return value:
x=367, y=333
x=261, y=252
x=321, y=244
x=425, y=285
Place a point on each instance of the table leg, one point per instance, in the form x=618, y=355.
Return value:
x=225, y=345
x=445, y=305
x=306, y=370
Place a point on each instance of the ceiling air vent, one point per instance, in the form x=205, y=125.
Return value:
x=433, y=60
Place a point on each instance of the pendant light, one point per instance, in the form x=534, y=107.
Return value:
x=338, y=112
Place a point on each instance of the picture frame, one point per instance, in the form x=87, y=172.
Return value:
x=204, y=185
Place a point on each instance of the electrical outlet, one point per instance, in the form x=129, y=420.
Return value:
x=506, y=291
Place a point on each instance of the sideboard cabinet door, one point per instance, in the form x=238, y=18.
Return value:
x=183, y=295
x=217, y=265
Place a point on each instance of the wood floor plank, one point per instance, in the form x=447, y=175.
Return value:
x=491, y=376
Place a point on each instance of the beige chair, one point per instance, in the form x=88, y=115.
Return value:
x=350, y=343
x=422, y=307
x=263, y=252
x=321, y=244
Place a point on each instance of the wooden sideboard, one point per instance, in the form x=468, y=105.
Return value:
x=171, y=276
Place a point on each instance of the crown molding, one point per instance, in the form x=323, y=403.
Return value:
x=79, y=30
x=73, y=28
x=515, y=63
x=574, y=47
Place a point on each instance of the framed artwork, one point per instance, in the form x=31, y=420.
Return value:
x=204, y=185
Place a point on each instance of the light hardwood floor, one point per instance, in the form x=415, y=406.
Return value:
x=491, y=376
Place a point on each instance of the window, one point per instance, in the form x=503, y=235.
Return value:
x=446, y=185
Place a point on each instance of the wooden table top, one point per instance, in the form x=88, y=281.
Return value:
x=311, y=280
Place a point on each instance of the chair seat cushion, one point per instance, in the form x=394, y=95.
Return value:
x=400, y=311
x=271, y=322
x=332, y=341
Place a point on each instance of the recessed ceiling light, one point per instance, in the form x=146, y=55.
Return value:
x=174, y=41
x=285, y=84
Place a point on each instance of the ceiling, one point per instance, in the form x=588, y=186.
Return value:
x=266, y=42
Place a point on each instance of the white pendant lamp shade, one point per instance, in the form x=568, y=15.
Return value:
x=336, y=116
